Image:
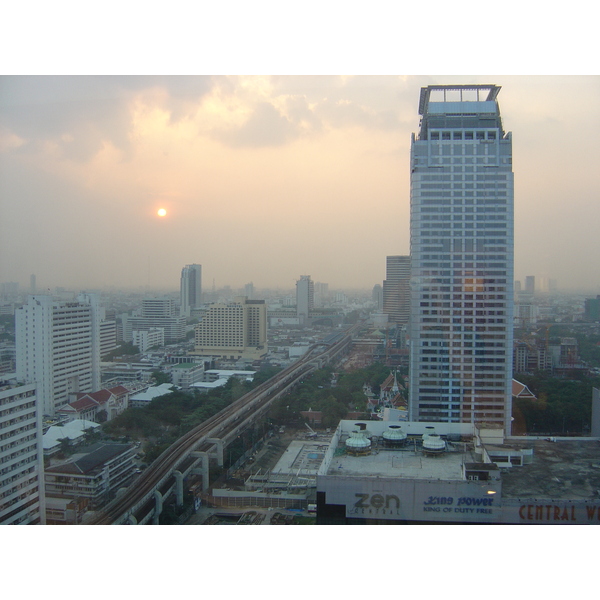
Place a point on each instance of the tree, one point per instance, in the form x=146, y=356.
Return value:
x=161, y=377
x=65, y=445
x=126, y=348
x=332, y=412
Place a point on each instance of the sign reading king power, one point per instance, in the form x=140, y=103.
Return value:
x=403, y=499
x=414, y=500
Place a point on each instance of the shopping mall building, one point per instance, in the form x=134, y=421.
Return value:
x=382, y=472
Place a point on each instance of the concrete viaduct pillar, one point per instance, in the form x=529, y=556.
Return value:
x=158, y=500
x=178, y=487
x=220, y=446
x=204, y=471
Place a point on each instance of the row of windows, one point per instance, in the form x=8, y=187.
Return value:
x=16, y=488
x=18, y=431
x=463, y=135
x=491, y=161
x=20, y=408
x=495, y=176
x=16, y=398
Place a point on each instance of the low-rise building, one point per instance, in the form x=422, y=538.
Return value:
x=95, y=475
x=184, y=375
x=72, y=431
x=103, y=405
x=142, y=399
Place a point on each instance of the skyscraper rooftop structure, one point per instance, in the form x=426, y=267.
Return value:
x=461, y=258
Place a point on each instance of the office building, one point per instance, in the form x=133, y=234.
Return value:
x=396, y=289
x=190, y=289
x=530, y=284
x=58, y=347
x=321, y=293
x=377, y=296
x=462, y=259
x=305, y=298
x=21, y=456
x=592, y=309
x=108, y=337
x=156, y=313
x=233, y=330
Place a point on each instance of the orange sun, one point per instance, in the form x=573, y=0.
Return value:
x=162, y=212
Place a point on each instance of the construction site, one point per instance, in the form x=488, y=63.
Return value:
x=279, y=476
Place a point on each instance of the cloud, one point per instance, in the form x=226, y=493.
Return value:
x=80, y=113
x=265, y=127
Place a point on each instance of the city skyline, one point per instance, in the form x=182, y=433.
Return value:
x=265, y=178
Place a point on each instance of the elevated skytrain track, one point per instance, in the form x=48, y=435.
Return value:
x=134, y=505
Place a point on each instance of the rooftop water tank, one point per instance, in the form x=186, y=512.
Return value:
x=433, y=445
x=394, y=437
x=358, y=444
x=428, y=431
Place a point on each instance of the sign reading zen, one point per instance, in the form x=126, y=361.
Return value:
x=375, y=504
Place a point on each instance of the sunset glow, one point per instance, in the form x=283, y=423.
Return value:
x=297, y=168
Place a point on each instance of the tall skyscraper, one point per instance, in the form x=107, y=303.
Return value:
x=396, y=289
x=58, y=346
x=462, y=258
x=305, y=298
x=190, y=288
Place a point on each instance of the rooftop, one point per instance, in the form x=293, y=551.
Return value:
x=457, y=93
x=568, y=469
x=408, y=463
x=94, y=458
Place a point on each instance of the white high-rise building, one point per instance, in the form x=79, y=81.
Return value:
x=190, y=289
x=461, y=258
x=21, y=456
x=58, y=347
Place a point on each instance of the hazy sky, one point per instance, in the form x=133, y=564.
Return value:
x=265, y=179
